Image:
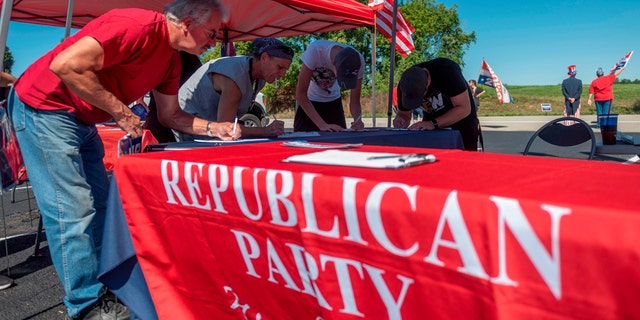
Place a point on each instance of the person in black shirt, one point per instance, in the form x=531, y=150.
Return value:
x=190, y=63
x=438, y=87
x=476, y=92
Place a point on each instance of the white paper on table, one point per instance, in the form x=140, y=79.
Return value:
x=362, y=159
x=320, y=145
x=230, y=141
x=299, y=134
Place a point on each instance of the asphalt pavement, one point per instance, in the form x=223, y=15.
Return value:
x=37, y=293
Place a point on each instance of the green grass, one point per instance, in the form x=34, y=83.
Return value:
x=527, y=100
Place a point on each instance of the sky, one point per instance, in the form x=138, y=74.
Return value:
x=533, y=42
x=524, y=42
x=28, y=42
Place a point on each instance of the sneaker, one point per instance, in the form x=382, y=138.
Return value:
x=106, y=308
x=5, y=282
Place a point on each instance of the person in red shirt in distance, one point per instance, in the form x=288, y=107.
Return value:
x=602, y=91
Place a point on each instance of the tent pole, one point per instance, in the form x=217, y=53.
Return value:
x=224, y=46
x=67, y=27
x=7, y=7
x=393, y=62
x=373, y=71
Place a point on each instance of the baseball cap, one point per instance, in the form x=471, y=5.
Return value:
x=273, y=47
x=413, y=84
x=599, y=72
x=347, y=63
x=572, y=70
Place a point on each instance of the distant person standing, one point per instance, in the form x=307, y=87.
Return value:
x=572, y=90
x=602, y=91
x=476, y=92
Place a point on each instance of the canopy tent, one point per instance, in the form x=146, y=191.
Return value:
x=248, y=19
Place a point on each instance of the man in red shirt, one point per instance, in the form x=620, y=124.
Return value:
x=89, y=78
x=602, y=91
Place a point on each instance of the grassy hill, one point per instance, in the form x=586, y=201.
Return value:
x=527, y=100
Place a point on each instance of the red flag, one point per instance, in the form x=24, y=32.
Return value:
x=404, y=30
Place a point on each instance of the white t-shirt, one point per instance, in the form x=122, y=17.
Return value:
x=317, y=57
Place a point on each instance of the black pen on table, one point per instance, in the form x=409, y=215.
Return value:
x=405, y=157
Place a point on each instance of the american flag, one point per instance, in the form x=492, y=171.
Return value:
x=622, y=62
x=384, y=20
x=489, y=78
x=227, y=49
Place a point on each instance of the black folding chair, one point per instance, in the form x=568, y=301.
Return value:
x=566, y=137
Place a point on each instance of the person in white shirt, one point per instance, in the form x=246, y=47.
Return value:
x=327, y=68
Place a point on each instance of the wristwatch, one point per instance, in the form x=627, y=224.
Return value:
x=434, y=122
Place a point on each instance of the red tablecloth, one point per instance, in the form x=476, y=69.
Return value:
x=110, y=135
x=229, y=230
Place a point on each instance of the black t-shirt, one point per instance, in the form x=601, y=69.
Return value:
x=447, y=81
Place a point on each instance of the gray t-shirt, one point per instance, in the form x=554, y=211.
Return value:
x=197, y=96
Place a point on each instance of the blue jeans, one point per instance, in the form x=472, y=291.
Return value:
x=63, y=159
x=603, y=107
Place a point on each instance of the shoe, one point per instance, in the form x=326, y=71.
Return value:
x=106, y=308
x=5, y=282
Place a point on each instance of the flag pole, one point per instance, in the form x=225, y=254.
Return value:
x=392, y=63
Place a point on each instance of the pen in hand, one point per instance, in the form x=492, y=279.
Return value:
x=235, y=124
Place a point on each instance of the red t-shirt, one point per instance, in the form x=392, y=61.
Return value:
x=601, y=87
x=138, y=57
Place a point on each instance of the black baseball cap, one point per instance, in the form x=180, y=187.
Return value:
x=413, y=84
x=347, y=63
